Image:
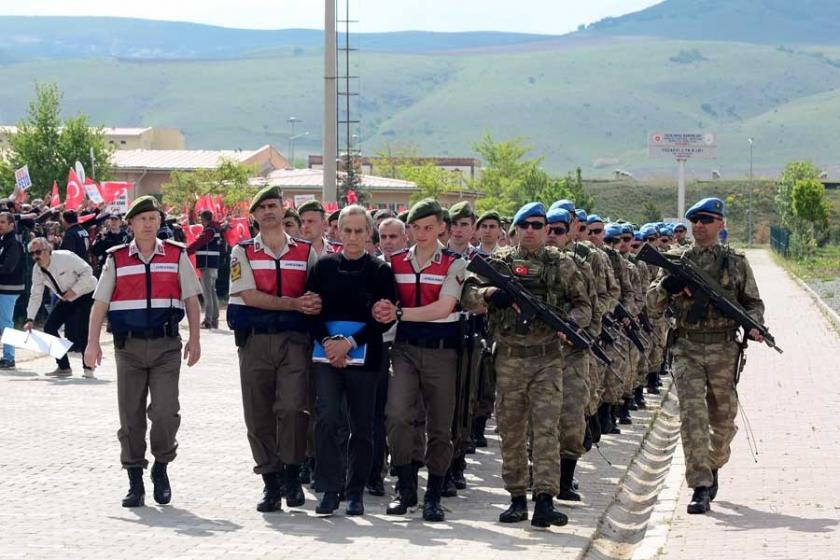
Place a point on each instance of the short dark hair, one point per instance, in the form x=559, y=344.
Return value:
x=70, y=216
x=206, y=215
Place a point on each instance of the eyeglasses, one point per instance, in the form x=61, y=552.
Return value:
x=533, y=225
x=703, y=219
x=627, y=238
x=36, y=253
x=558, y=231
x=596, y=231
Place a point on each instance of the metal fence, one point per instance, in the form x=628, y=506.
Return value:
x=780, y=240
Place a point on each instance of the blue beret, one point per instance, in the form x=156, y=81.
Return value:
x=626, y=228
x=594, y=219
x=558, y=215
x=638, y=236
x=708, y=205
x=565, y=204
x=580, y=214
x=679, y=226
x=648, y=230
x=530, y=210
x=666, y=231
x=612, y=230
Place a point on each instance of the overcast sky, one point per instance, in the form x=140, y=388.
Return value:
x=531, y=16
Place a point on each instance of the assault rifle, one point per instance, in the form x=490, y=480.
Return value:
x=632, y=331
x=706, y=291
x=531, y=308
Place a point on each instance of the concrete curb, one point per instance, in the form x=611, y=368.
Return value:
x=826, y=310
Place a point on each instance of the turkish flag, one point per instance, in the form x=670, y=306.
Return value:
x=55, y=197
x=237, y=231
x=75, y=193
x=351, y=197
x=111, y=190
x=191, y=232
x=219, y=207
x=205, y=202
x=331, y=207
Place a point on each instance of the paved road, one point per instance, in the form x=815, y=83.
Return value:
x=61, y=485
x=785, y=506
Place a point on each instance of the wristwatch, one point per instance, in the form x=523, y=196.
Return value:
x=399, y=313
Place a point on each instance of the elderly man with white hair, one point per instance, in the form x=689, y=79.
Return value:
x=71, y=279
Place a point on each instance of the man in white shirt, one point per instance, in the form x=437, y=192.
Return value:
x=71, y=279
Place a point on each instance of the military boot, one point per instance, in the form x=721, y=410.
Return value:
x=449, y=490
x=615, y=411
x=431, y=501
x=328, y=504
x=587, y=438
x=136, y=491
x=567, y=476
x=714, y=487
x=294, y=491
x=479, y=425
x=306, y=469
x=653, y=383
x=459, y=465
x=544, y=513
x=624, y=413
x=516, y=512
x=406, y=491
x=630, y=403
x=162, y=492
x=639, y=397
x=594, y=424
x=699, y=500
x=605, y=419
x=272, y=497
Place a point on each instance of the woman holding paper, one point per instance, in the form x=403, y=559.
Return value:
x=348, y=357
x=71, y=279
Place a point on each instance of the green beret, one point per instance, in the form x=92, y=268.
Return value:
x=403, y=216
x=382, y=213
x=489, y=215
x=311, y=206
x=266, y=193
x=292, y=213
x=423, y=209
x=334, y=216
x=146, y=203
x=446, y=219
x=460, y=211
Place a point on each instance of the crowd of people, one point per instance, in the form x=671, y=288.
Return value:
x=366, y=348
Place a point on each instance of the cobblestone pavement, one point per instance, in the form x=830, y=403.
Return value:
x=61, y=484
x=786, y=505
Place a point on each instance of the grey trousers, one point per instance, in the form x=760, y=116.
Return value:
x=208, y=292
x=148, y=368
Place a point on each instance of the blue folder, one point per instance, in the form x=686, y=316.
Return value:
x=356, y=356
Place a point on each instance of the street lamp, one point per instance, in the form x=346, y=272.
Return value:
x=750, y=210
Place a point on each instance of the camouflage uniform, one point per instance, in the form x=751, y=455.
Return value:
x=634, y=355
x=608, y=291
x=529, y=365
x=613, y=387
x=641, y=291
x=705, y=359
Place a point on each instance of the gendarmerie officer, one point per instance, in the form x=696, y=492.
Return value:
x=266, y=311
x=145, y=289
x=208, y=250
x=429, y=279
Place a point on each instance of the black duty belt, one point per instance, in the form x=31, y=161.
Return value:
x=714, y=337
x=432, y=343
x=531, y=351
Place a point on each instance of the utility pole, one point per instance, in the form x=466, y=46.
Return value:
x=750, y=209
x=330, y=148
x=292, y=121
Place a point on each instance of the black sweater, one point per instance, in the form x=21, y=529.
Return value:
x=348, y=290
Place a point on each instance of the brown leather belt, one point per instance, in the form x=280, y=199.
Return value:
x=714, y=337
x=532, y=351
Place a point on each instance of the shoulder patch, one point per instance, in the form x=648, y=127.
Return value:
x=116, y=248
x=246, y=242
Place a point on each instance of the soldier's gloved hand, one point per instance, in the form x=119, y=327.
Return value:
x=501, y=299
x=674, y=284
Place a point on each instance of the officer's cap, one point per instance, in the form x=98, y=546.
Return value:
x=334, y=216
x=530, y=210
x=708, y=206
x=558, y=215
x=423, y=209
x=594, y=219
x=146, y=203
x=266, y=193
x=461, y=210
x=489, y=215
x=311, y=206
x=403, y=216
x=565, y=204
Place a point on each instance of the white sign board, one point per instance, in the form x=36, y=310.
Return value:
x=93, y=193
x=22, y=179
x=119, y=205
x=301, y=198
x=37, y=341
x=682, y=145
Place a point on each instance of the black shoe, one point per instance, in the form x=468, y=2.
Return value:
x=328, y=504
x=516, y=512
x=136, y=491
x=544, y=513
x=305, y=475
x=630, y=403
x=653, y=383
x=163, y=491
x=355, y=505
x=294, y=491
x=594, y=424
x=567, y=477
x=406, y=491
x=7, y=364
x=459, y=478
x=714, y=487
x=376, y=487
x=272, y=498
x=639, y=397
x=699, y=500
x=469, y=446
x=449, y=490
x=432, y=511
x=479, y=424
x=624, y=413
x=614, y=414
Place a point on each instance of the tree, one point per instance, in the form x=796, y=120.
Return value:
x=350, y=179
x=229, y=179
x=651, y=213
x=811, y=209
x=50, y=147
x=801, y=177
x=794, y=172
x=432, y=181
